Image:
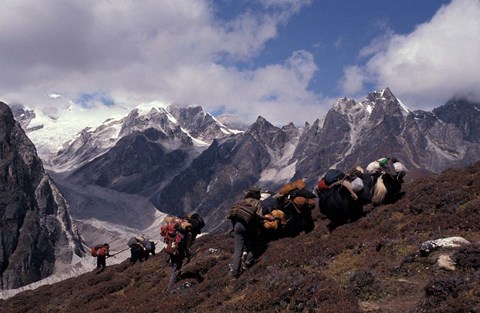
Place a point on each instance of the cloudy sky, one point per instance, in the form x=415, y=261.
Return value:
x=286, y=60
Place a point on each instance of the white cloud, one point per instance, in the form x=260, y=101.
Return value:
x=353, y=80
x=440, y=59
x=133, y=52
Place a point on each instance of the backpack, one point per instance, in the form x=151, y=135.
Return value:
x=172, y=238
x=103, y=251
x=321, y=185
x=289, y=187
x=279, y=220
x=304, y=193
x=197, y=222
x=244, y=210
x=95, y=249
x=148, y=245
x=132, y=241
x=332, y=176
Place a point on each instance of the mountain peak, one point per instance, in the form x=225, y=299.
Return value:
x=385, y=101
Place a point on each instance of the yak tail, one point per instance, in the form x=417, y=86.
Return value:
x=379, y=191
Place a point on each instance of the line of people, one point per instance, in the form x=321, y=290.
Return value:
x=178, y=234
x=261, y=217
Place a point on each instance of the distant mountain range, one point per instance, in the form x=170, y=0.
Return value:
x=182, y=159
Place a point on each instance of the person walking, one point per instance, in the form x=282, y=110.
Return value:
x=246, y=217
x=102, y=254
x=177, y=236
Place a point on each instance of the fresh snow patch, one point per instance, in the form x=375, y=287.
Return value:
x=282, y=174
x=368, y=108
x=225, y=129
x=404, y=107
x=196, y=141
x=50, y=131
x=145, y=108
x=279, y=170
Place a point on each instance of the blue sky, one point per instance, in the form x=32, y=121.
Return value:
x=286, y=60
x=335, y=32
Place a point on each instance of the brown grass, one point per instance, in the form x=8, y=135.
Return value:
x=372, y=265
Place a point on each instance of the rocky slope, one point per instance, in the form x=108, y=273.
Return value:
x=372, y=265
x=37, y=234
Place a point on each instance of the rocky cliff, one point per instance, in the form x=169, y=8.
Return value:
x=37, y=234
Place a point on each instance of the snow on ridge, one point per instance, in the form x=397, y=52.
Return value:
x=171, y=118
x=357, y=120
x=196, y=141
x=279, y=170
x=405, y=109
x=368, y=108
x=49, y=131
x=224, y=129
x=145, y=107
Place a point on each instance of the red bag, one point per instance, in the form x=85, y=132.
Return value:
x=171, y=237
x=322, y=185
x=103, y=251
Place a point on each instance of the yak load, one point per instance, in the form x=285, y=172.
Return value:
x=342, y=196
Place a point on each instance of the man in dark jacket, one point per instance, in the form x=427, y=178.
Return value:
x=246, y=216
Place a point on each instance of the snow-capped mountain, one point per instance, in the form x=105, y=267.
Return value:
x=38, y=234
x=353, y=133
x=183, y=159
x=178, y=126
x=51, y=128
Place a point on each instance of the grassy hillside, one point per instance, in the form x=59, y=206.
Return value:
x=373, y=265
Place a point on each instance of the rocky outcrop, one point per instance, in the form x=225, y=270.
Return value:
x=37, y=234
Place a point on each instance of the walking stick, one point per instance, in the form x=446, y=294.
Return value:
x=112, y=255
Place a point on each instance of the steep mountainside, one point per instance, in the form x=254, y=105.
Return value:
x=376, y=264
x=37, y=234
